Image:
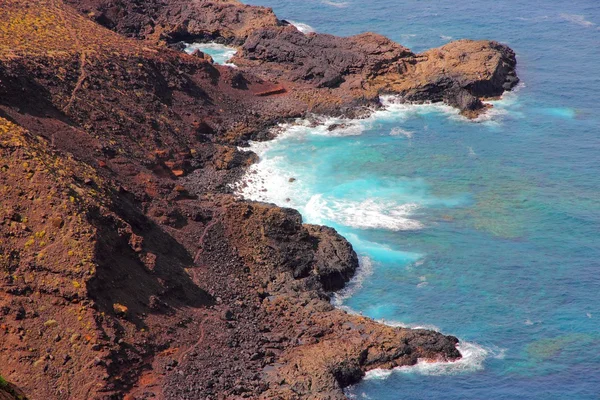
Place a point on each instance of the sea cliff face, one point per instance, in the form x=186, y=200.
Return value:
x=127, y=268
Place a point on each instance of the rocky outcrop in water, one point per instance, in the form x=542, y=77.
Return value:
x=460, y=73
x=127, y=267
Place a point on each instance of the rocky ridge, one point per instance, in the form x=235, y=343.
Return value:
x=325, y=73
x=127, y=269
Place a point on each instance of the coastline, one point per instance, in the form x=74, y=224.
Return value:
x=473, y=358
x=171, y=258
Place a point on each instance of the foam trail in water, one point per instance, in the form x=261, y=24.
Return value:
x=557, y=112
x=341, y=4
x=577, y=19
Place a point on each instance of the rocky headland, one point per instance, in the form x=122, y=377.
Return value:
x=128, y=269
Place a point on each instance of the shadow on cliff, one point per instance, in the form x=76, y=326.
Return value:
x=26, y=96
x=166, y=81
x=140, y=266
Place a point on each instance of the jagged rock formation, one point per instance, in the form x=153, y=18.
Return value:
x=127, y=268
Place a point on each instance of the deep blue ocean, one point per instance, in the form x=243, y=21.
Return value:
x=486, y=230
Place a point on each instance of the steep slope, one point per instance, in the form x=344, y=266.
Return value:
x=226, y=20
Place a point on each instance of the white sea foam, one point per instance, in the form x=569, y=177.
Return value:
x=446, y=38
x=365, y=270
x=324, y=126
x=401, y=132
x=397, y=324
x=268, y=183
x=340, y=127
x=394, y=107
x=302, y=27
x=367, y=214
x=363, y=395
x=379, y=373
x=226, y=53
x=473, y=356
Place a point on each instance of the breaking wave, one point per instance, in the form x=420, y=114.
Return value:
x=302, y=27
x=365, y=270
x=473, y=357
x=367, y=214
x=221, y=54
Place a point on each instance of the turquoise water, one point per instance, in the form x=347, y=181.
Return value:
x=221, y=54
x=485, y=230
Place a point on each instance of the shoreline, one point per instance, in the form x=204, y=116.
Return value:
x=183, y=290
x=325, y=122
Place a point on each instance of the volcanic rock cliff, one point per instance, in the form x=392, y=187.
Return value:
x=127, y=268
